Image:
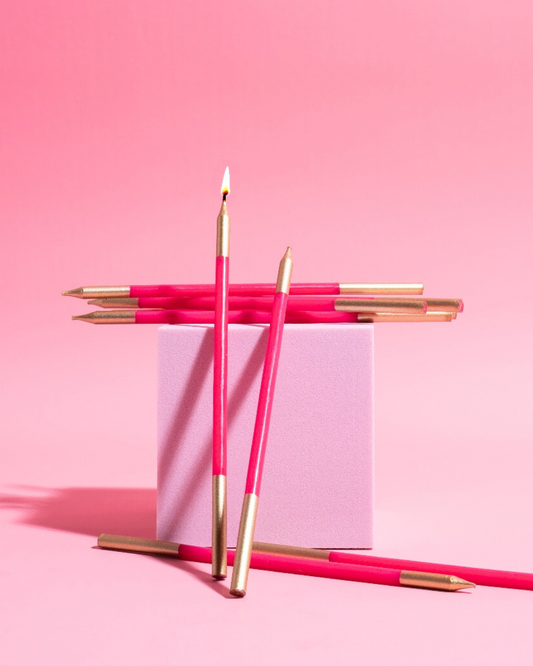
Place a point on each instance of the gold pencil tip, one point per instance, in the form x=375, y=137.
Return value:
x=80, y=318
x=225, y=189
x=460, y=584
x=77, y=293
x=288, y=254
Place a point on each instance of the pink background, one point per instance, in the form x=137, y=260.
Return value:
x=383, y=140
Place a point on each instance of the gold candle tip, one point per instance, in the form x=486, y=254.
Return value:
x=77, y=293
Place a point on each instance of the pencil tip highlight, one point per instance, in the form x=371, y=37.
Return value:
x=460, y=584
x=77, y=293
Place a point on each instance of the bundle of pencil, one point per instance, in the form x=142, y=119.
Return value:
x=222, y=304
x=374, y=307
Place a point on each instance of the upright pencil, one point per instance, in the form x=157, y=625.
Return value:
x=220, y=391
x=245, y=539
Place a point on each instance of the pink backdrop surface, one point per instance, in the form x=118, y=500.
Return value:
x=384, y=141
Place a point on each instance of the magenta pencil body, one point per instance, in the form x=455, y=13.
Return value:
x=251, y=289
x=489, y=577
x=239, y=317
x=262, y=422
x=260, y=303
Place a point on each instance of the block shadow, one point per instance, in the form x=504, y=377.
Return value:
x=93, y=511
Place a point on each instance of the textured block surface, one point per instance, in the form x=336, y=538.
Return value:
x=317, y=486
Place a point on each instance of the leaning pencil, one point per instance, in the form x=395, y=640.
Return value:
x=278, y=561
x=220, y=390
x=323, y=303
x=254, y=317
x=488, y=577
x=251, y=289
x=252, y=488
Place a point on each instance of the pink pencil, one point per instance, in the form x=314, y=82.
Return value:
x=488, y=577
x=323, y=303
x=252, y=317
x=252, y=289
x=220, y=390
x=245, y=539
x=277, y=561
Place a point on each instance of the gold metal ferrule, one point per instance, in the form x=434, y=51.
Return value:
x=98, y=292
x=433, y=581
x=285, y=273
x=107, y=317
x=381, y=288
x=400, y=306
x=223, y=227
x=295, y=551
x=219, y=569
x=405, y=318
x=243, y=552
x=138, y=545
x=110, y=303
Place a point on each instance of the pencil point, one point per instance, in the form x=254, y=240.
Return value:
x=457, y=583
x=288, y=254
x=77, y=293
x=82, y=317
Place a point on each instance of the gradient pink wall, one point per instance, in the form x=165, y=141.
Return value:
x=384, y=141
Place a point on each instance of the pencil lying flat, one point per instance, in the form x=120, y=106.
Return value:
x=488, y=577
x=277, y=561
x=322, y=303
x=252, y=289
x=220, y=390
x=252, y=317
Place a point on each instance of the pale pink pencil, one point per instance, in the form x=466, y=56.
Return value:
x=245, y=539
x=220, y=391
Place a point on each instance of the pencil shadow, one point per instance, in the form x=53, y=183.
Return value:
x=170, y=447
x=95, y=511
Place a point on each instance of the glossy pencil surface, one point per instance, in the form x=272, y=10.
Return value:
x=220, y=390
x=250, y=289
x=260, y=436
x=478, y=576
x=270, y=560
x=161, y=317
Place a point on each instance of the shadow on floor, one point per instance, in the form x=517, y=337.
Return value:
x=94, y=511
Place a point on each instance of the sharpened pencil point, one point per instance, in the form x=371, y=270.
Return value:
x=457, y=583
x=77, y=293
x=288, y=254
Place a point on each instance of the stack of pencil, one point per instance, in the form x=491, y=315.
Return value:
x=223, y=303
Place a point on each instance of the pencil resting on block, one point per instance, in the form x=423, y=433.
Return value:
x=252, y=289
x=254, y=317
x=323, y=303
x=271, y=557
x=243, y=551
